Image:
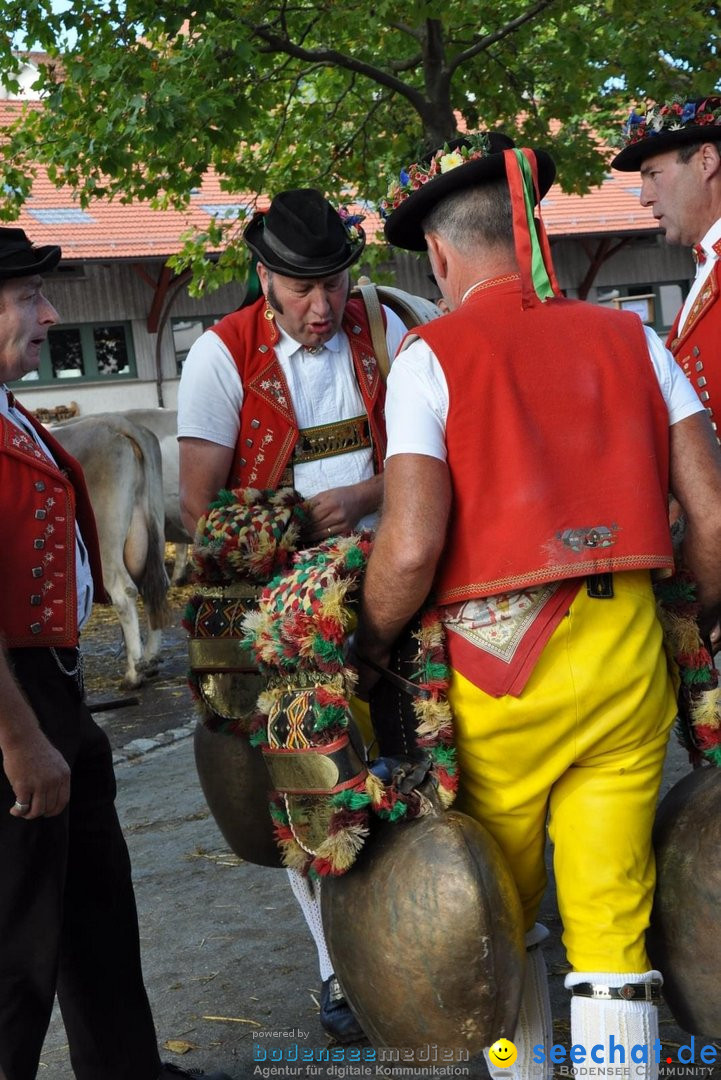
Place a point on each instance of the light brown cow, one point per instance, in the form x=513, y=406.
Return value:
x=164, y=425
x=122, y=465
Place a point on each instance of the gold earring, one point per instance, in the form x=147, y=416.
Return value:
x=268, y=313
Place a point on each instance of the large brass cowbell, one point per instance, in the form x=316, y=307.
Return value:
x=232, y=773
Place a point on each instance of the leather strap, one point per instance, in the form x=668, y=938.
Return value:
x=650, y=991
x=314, y=770
x=369, y=296
x=600, y=586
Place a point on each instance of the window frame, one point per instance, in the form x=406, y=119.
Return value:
x=206, y=322
x=88, y=350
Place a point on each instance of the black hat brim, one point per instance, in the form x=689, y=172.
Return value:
x=39, y=260
x=403, y=227
x=632, y=157
x=294, y=266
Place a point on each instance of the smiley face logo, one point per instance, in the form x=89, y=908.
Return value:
x=503, y=1053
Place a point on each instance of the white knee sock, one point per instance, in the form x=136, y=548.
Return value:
x=534, y=1025
x=307, y=893
x=631, y=1023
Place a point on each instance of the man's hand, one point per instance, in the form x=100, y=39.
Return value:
x=338, y=510
x=38, y=774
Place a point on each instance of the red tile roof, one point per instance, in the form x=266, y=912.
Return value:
x=611, y=208
x=112, y=230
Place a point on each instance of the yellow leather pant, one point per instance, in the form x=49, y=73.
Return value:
x=582, y=748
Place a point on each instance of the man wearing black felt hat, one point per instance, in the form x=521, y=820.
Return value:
x=298, y=362
x=677, y=148
x=68, y=923
x=287, y=392
x=540, y=437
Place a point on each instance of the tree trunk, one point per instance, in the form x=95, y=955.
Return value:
x=439, y=122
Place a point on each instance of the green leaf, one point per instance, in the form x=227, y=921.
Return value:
x=149, y=97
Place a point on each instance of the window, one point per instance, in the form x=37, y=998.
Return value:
x=186, y=331
x=90, y=351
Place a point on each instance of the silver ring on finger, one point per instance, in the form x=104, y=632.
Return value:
x=21, y=807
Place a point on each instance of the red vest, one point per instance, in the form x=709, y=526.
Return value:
x=557, y=438
x=268, y=428
x=698, y=348
x=37, y=539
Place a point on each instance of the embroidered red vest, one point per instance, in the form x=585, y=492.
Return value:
x=557, y=439
x=37, y=539
x=698, y=348
x=268, y=427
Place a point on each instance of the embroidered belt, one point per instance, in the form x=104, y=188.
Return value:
x=329, y=440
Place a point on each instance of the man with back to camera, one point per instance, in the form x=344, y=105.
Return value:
x=287, y=392
x=540, y=437
x=68, y=922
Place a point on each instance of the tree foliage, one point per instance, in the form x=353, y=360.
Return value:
x=143, y=97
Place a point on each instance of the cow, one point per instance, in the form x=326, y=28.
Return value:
x=122, y=465
x=164, y=425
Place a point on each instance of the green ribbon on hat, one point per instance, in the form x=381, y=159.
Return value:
x=539, y=272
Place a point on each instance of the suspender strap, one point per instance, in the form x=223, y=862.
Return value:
x=369, y=297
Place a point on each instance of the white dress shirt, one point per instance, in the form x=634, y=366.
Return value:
x=323, y=389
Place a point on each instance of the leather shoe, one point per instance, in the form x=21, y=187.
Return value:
x=168, y=1072
x=336, y=1016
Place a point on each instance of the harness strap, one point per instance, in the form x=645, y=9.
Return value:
x=648, y=991
x=369, y=296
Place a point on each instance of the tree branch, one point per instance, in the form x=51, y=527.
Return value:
x=411, y=62
x=348, y=144
x=490, y=39
x=406, y=29
x=341, y=97
x=332, y=57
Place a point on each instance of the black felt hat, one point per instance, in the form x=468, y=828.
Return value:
x=18, y=257
x=668, y=127
x=408, y=205
x=301, y=235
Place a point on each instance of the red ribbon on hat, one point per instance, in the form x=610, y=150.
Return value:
x=533, y=252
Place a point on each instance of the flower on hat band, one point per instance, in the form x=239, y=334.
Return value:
x=351, y=223
x=674, y=116
x=450, y=161
x=442, y=161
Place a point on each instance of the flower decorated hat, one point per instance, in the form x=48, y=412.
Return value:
x=301, y=235
x=472, y=161
x=668, y=127
x=465, y=162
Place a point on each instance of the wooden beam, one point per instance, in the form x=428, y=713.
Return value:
x=160, y=287
x=605, y=249
x=161, y=291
